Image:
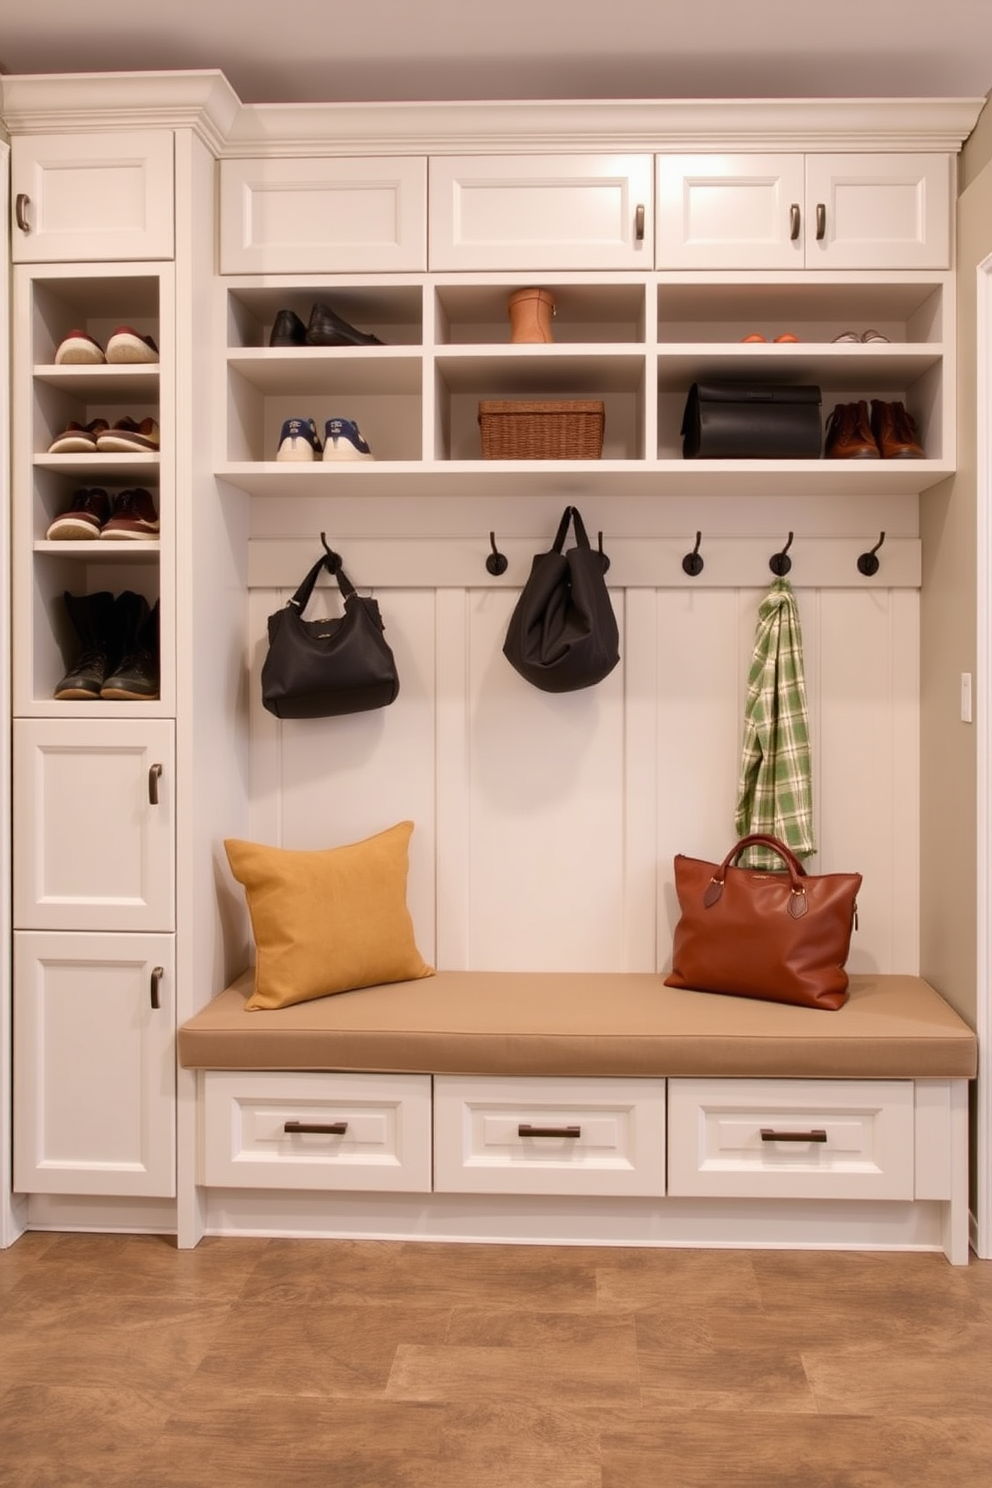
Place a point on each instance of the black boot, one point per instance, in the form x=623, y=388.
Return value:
x=136, y=677
x=93, y=617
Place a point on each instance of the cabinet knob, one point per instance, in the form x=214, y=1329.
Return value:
x=21, y=203
x=158, y=972
x=639, y=223
x=821, y=222
x=154, y=776
x=795, y=222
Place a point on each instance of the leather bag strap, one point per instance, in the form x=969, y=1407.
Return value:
x=798, y=904
x=331, y=562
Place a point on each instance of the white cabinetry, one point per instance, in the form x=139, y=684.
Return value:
x=94, y=870
x=323, y=216
x=94, y=1064
x=79, y=197
x=547, y=212
x=733, y=212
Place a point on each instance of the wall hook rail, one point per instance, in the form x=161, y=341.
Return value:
x=868, y=564
x=781, y=563
x=692, y=563
x=497, y=563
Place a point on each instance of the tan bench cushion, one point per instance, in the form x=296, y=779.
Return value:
x=586, y=1023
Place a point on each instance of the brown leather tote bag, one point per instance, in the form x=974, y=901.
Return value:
x=778, y=936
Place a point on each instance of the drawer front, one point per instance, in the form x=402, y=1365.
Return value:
x=316, y=1131
x=530, y=1136
x=791, y=1139
x=323, y=216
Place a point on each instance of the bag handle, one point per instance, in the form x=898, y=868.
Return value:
x=573, y=515
x=331, y=561
x=797, y=898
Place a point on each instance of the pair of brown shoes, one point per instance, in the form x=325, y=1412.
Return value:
x=889, y=433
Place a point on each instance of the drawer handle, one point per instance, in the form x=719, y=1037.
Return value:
x=526, y=1130
x=769, y=1134
x=639, y=223
x=821, y=222
x=154, y=776
x=155, y=983
x=21, y=203
x=323, y=1128
x=795, y=222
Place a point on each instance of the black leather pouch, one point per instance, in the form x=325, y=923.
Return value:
x=751, y=421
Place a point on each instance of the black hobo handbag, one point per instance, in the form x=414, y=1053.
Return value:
x=751, y=421
x=563, y=633
x=323, y=668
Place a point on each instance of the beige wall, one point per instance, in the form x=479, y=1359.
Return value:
x=948, y=925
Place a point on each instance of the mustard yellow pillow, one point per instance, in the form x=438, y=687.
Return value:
x=328, y=921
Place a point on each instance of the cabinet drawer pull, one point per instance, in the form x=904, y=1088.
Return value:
x=769, y=1134
x=21, y=203
x=154, y=776
x=821, y=222
x=155, y=982
x=639, y=223
x=324, y=1128
x=795, y=222
x=526, y=1130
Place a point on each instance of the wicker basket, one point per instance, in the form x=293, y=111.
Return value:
x=569, y=430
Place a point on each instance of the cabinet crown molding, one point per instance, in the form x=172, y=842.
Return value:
x=204, y=101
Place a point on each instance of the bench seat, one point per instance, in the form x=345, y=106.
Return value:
x=586, y=1024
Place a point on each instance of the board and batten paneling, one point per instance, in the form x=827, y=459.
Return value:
x=546, y=824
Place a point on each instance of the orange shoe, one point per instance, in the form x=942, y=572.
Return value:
x=755, y=336
x=787, y=336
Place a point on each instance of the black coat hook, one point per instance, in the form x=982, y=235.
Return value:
x=692, y=563
x=868, y=564
x=332, y=562
x=604, y=556
x=780, y=563
x=496, y=563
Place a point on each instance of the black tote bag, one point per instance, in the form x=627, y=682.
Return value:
x=324, y=668
x=563, y=633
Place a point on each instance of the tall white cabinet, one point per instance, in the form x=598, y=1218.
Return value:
x=682, y=230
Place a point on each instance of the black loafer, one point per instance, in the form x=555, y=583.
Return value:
x=288, y=330
x=328, y=329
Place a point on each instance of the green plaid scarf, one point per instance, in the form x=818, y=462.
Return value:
x=775, y=793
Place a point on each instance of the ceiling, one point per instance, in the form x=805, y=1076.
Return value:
x=316, y=51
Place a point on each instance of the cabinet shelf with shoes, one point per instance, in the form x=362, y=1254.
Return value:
x=307, y=353
x=633, y=342
x=92, y=390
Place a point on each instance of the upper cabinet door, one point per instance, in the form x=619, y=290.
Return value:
x=730, y=211
x=889, y=211
x=85, y=198
x=541, y=212
x=878, y=211
x=323, y=216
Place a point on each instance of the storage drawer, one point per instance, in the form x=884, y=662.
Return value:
x=791, y=1139
x=318, y=1131
x=555, y=1136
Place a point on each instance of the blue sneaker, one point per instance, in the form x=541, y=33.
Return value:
x=298, y=440
x=343, y=441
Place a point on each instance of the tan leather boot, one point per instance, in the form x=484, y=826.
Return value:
x=849, y=434
x=895, y=432
x=531, y=312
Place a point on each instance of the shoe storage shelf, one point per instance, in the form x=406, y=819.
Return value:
x=53, y=399
x=635, y=341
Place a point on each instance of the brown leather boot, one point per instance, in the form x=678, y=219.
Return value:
x=849, y=435
x=530, y=312
x=895, y=432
